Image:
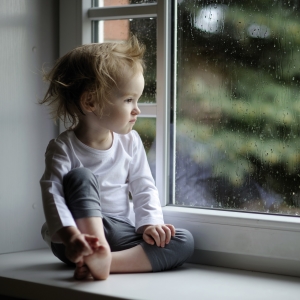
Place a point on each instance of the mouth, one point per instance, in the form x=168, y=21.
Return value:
x=132, y=121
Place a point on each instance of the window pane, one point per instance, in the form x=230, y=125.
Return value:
x=145, y=30
x=238, y=105
x=106, y=3
x=146, y=127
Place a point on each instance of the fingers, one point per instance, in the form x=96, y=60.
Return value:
x=159, y=234
x=74, y=256
x=148, y=239
x=172, y=229
x=91, y=238
x=92, y=241
x=85, y=248
x=163, y=232
x=151, y=236
x=168, y=234
x=79, y=247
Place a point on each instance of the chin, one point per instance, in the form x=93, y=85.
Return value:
x=123, y=132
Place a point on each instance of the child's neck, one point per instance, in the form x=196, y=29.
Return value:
x=100, y=139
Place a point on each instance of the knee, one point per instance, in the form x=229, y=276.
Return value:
x=82, y=193
x=79, y=175
x=185, y=242
x=177, y=252
x=80, y=183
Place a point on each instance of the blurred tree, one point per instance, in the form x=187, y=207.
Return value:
x=238, y=88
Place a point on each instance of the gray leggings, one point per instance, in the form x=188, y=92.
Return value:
x=82, y=195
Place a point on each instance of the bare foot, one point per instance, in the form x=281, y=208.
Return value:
x=82, y=272
x=99, y=262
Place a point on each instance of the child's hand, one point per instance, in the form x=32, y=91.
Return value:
x=77, y=244
x=158, y=234
x=81, y=245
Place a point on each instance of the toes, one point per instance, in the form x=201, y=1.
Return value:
x=81, y=273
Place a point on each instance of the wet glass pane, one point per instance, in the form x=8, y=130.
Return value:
x=146, y=127
x=106, y=3
x=145, y=30
x=238, y=105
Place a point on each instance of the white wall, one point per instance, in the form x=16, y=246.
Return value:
x=29, y=38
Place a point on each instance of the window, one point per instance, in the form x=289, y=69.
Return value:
x=237, y=117
x=229, y=238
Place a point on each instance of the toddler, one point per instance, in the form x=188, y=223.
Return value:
x=93, y=166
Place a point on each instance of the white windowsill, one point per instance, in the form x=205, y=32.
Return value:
x=235, y=218
x=255, y=242
x=38, y=274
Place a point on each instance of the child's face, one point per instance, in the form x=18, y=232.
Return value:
x=121, y=115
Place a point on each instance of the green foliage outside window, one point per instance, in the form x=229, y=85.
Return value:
x=239, y=88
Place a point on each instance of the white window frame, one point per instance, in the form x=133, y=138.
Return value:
x=250, y=241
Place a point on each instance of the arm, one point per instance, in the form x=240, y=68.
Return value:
x=147, y=208
x=57, y=164
x=144, y=193
x=62, y=226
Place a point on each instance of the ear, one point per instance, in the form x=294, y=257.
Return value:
x=87, y=101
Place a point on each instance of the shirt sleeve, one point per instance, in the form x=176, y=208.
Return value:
x=57, y=164
x=146, y=204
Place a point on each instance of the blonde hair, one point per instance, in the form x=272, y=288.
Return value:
x=94, y=68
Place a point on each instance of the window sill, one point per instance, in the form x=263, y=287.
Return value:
x=38, y=274
x=234, y=218
x=249, y=241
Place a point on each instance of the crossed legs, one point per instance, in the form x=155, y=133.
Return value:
x=103, y=261
x=120, y=249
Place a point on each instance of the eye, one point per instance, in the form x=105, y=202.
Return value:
x=128, y=100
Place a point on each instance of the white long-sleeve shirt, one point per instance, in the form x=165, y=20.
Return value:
x=121, y=169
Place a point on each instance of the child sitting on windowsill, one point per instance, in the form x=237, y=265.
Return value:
x=92, y=167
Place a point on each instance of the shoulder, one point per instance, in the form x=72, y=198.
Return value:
x=135, y=134
x=58, y=155
x=130, y=142
x=131, y=138
x=60, y=143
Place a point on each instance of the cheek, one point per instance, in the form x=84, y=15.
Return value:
x=117, y=115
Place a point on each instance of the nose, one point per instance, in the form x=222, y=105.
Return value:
x=136, y=110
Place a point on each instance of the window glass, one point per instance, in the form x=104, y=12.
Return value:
x=238, y=105
x=145, y=30
x=146, y=127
